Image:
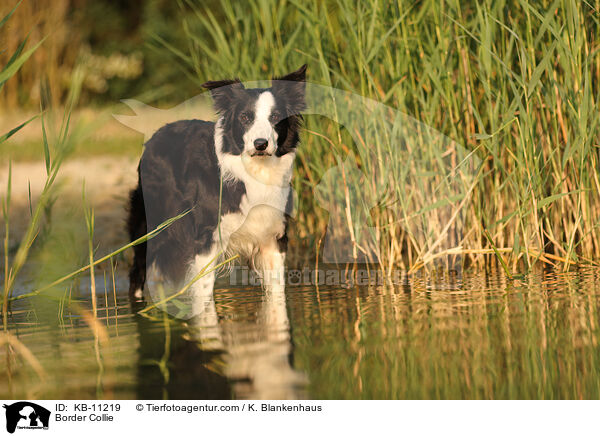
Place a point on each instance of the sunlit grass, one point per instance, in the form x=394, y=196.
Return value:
x=516, y=82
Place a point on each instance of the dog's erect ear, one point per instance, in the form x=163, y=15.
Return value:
x=293, y=87
x=296, y=76
x=223, y=92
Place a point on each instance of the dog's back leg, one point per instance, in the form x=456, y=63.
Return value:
x=136, y=225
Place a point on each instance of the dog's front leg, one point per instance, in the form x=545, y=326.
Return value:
x=273, y=267
x=204, y=312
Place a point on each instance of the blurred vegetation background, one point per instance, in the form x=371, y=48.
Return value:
x=112, y=41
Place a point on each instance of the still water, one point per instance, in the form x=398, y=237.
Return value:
x=477, y=336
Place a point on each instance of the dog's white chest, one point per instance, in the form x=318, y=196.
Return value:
x=261, y=219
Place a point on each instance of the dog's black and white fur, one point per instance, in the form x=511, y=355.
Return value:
x=245, y=158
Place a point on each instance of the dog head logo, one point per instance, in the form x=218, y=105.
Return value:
x=26, y=415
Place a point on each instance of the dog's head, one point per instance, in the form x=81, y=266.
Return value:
x=260, y=122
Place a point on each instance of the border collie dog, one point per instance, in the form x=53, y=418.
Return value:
x=233, y=177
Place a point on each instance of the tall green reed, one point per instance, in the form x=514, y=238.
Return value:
x=516, y=82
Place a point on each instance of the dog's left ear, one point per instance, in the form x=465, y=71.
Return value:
x=292, y=87
x=296, y=76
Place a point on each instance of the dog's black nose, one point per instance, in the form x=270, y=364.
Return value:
x=260, y=144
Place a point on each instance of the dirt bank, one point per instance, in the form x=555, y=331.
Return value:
x=107, y=183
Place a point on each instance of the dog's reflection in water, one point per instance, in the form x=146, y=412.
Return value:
x=256, y=349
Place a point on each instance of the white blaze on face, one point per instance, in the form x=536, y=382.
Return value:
x=261, y=127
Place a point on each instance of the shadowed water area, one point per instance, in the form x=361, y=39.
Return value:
x=472, y=336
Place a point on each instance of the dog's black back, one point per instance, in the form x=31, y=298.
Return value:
x=178, y=169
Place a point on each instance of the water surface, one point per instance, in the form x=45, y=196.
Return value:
x=474, y=336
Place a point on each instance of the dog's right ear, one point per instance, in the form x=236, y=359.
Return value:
x=223, y=92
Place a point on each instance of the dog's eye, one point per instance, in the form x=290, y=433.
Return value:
x=245, y=117
x=275, y=117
